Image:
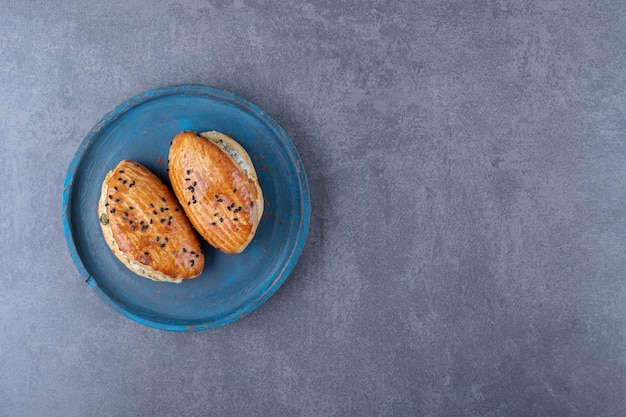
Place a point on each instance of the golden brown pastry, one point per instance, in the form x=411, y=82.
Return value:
x=215, y=182
x=145, y=227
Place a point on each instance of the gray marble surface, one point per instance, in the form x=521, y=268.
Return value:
x=466, y=253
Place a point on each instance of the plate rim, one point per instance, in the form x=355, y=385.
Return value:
x=195, y=90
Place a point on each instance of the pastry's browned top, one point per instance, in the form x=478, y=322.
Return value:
x=148, y=224
x=217, y=195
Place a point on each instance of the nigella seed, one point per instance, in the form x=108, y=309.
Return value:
x=221, y=220
x=166, y=240
x=112, y=211
x=228, y=208
x=195, y=183
x=163, y=199
x=234, y=190
x=131, y=184
x=192, y=262
x=150, y=221
x=144, y=227
x=169, y=223
x=187, y=179
x=157, y=239
x=235, y=219
x=188, y=202
x=214, y=214
x=119, y=179
x=117, y=200
x=217, y=196
x=161, y=209
x=190, y=188
x=154, y=212
x=132, y=227
x=125, y=214
x=162, y=245
x=213, y=224
x=141, y=222
x=146, y=253
x=166, y=208
x=121, y=171
x=124, y=182
x=176, y=209
x=219, y=200
x=151, y=205
x=115, y=188
x=184, y=249
x=110, y=196
x=106, y=204
x=130, y=222
x=131, y=207
x=162, y=220
x=188, y=171
x=197, y=256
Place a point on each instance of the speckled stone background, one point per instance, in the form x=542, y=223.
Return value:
x=467, y=249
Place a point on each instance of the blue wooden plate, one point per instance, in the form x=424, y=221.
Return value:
x=231, y=286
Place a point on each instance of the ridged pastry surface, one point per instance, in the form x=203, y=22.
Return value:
x=217, y=188
x=145, y=226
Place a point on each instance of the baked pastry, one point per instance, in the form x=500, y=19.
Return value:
x=215, y=182
x=145, y=227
